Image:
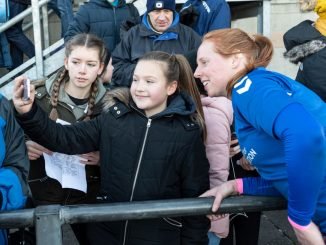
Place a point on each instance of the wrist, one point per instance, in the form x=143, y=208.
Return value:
x=237, y=187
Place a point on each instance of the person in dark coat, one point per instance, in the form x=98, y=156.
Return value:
x=62, y=8
x=160, y=30
x=19, y=43
x=151, y=148
x=102, y=18
x=14, y=164
x=305, y=44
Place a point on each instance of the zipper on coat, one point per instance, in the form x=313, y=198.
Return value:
x=136, y=175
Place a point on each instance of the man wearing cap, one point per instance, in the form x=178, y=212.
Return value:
x=159, y=30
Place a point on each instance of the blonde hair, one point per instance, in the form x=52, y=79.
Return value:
x=257, y=49
x=307, y=5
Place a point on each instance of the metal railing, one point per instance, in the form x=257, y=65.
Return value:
x=46, y=61
x=35, y=11
x=49, y=219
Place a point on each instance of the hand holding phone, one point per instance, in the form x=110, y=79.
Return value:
x=27, y=89
x=23, y=94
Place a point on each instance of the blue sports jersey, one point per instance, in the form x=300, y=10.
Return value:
x=258, y=99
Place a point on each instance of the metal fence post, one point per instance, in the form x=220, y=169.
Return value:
x=37, y=39
x=48, y=225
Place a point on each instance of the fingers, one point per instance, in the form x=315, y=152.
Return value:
x=209, y=193
x=32, y=156
x=17, y=86
x=92, y=158
x=215, y=217
x=22, y=106
x=234, y=150
x=234, y=142
x=245, y=164
x=36, y=148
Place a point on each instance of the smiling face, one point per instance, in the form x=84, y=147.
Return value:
x=149, y=88
x=214, y=70
x=161, y=19
x=83, y=65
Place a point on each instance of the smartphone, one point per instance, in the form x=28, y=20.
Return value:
x=27, y=89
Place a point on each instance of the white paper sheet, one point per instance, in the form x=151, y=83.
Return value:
x=67, y=169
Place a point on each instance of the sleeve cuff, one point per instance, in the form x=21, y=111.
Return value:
x=297, y=226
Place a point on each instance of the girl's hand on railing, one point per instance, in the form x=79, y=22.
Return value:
x=22, y=106
x=220, y=192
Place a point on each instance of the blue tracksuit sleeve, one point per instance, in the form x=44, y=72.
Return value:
x=304, y=143
x=257, y=186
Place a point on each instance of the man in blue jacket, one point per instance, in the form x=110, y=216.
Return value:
x=160, y=30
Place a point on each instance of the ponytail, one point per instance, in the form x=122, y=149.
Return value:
x=257, y=49
x=188, y=84
x=178, y=69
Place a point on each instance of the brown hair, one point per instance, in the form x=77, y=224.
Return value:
x=79, y=40
x=178, y=69
x=257, y=49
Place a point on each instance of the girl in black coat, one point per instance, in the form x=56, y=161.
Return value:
x=151, y=148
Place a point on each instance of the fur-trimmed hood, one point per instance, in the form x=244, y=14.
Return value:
x=298, y=53
x=303, y=40
x=114, y=95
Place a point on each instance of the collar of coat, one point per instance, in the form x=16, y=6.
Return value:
x=118, y=101
x=170, y=34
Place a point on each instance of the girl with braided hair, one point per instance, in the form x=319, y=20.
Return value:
x=73, y=94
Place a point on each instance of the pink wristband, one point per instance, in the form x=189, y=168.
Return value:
x=239, y=186
x=299, y=227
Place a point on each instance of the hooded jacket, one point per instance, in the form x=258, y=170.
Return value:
x=99, y=17
x=14, y=164
x=161, y=157
x=306, y=45
x=140, y=39
x=218, y=118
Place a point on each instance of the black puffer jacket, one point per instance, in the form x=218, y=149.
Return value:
x=100, y=18
x=305, y=44
x=142, y=158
